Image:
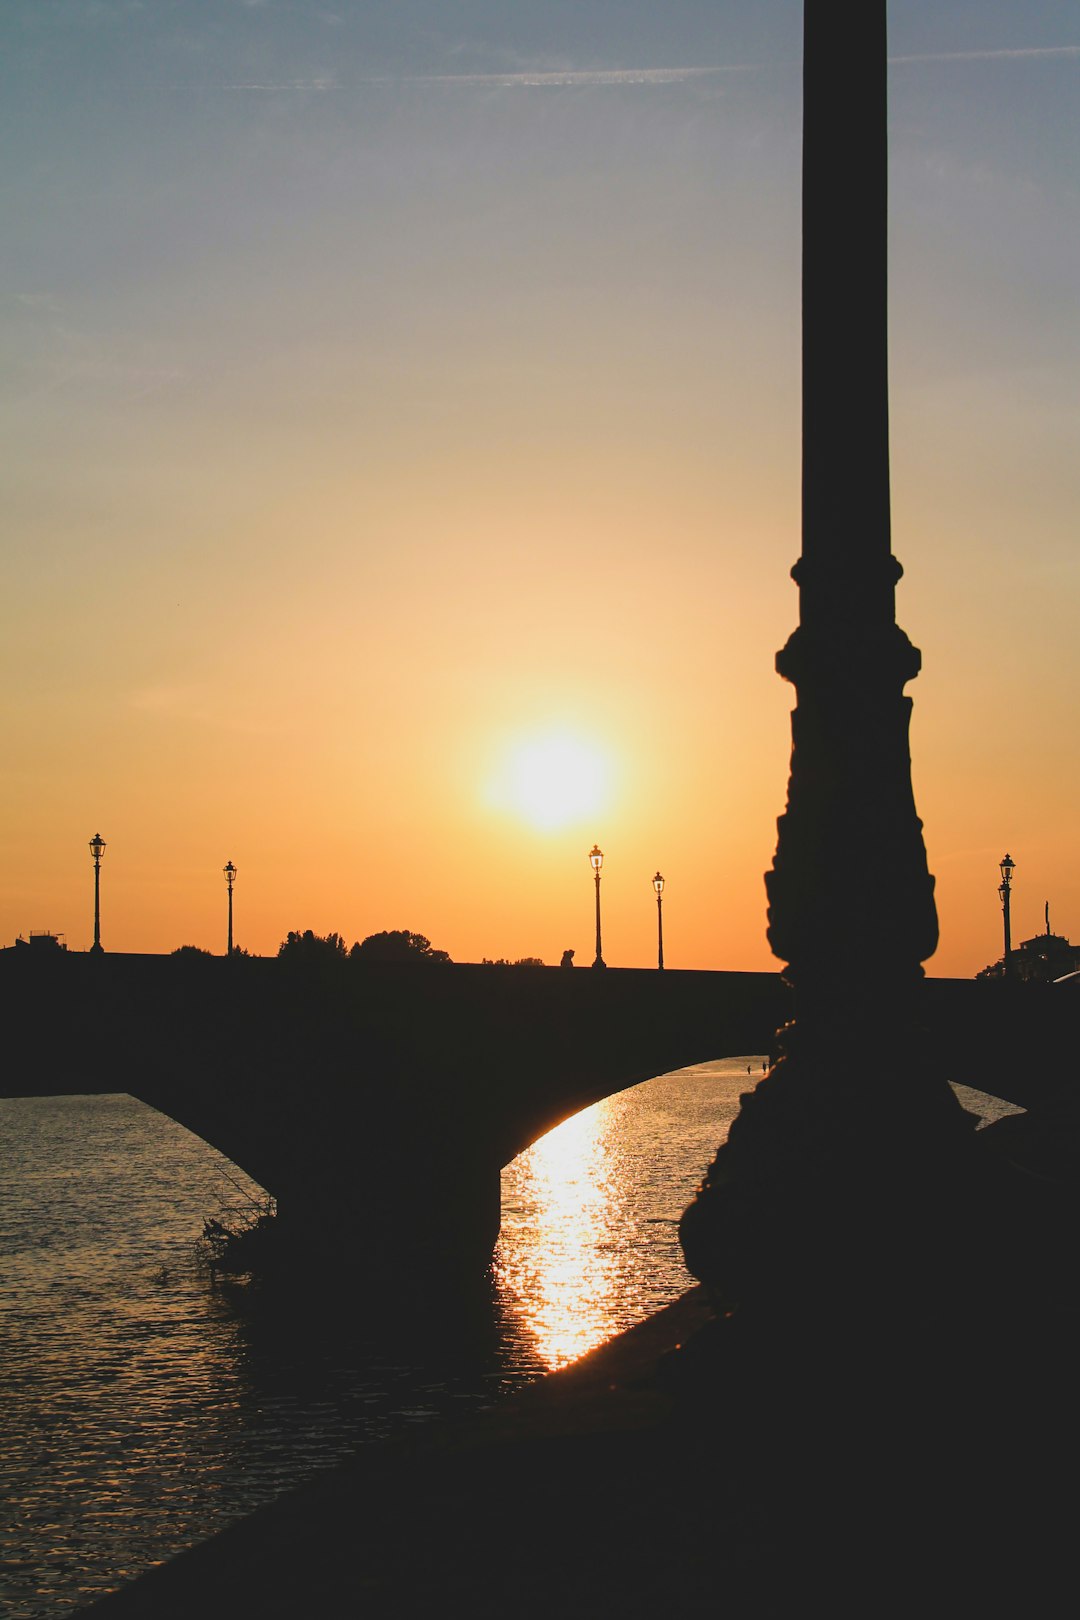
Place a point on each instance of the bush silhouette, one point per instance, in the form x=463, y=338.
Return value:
x=312, y=947
x=397, y=945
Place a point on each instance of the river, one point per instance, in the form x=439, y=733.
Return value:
x=145, y=1407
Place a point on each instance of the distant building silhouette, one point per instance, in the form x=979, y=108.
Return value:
x=1044, y=957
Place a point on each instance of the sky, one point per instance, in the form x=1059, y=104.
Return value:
x=401, y=410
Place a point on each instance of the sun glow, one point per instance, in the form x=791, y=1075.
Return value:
x=552, y=781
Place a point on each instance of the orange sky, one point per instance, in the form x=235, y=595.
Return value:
x=369, y=433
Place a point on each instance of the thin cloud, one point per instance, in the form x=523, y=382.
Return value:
x=119, y=368
x=1020, y=54
x=113, y=378
x=571, y=77
x=548, y=79
x=288, y=84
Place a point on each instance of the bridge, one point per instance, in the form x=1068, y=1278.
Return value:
x=378, y=1102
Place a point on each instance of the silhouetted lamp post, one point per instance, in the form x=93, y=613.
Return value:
x=97, y=850
x=658, y=885
x=1008, y=867
x=851, y=902
x=230, y=878
x=596, y=861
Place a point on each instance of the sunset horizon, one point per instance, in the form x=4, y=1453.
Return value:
x=406, y=447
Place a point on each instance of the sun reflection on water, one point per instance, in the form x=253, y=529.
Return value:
x=566, y=1185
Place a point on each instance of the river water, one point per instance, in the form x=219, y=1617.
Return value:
x=145, y=1407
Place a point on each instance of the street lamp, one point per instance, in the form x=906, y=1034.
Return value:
x=596, y=861
x=97, y=850
x=230, y=878
x=658, y=885
x=1008, y=866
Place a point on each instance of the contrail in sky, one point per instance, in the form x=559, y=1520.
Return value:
x=574, y=78
x=544, y=80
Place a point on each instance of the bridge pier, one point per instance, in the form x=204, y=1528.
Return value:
x=400, y=1220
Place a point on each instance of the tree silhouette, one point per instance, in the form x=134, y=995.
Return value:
x=397, y=945
x=312, y=947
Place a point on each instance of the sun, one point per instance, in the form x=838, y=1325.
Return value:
x=552, y=781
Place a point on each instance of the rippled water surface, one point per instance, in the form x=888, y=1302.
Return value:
x=144, y=1408
x=589, y=1240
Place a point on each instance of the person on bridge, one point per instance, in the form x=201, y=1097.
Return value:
x=567, y=959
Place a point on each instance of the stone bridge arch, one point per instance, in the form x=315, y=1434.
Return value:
x=379, y=1102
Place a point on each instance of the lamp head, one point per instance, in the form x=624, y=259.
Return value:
x=596, y=857
x=230, y=873
x=1008, y=866
x=97, y=846
x=658, y=884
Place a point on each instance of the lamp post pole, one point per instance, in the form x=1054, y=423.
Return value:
x=765, y=1213
x=596, y=861
x=1008, y=866
x=97, y=850
x=230, y=878
x=658, y=885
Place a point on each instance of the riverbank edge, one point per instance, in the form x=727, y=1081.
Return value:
x=858, y=1463
x=406, y=1522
